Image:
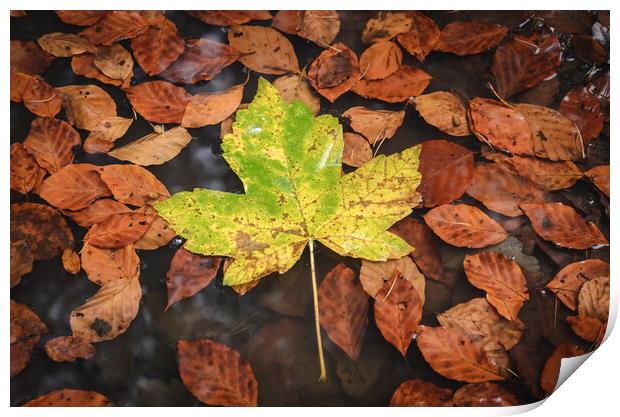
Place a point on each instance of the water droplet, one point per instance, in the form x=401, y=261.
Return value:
x=176, y=242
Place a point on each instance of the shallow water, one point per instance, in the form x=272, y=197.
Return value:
x=272, y=326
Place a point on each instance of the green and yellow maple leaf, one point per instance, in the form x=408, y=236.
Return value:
x=290, y=164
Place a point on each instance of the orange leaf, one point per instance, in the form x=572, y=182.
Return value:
x=229, y=17
x=189, y=273
x=115, y=26
x=567, y=283
x=380, y=60
x=132, y=184
x=600, y=177
x=421, y=38
x=51, y=142
x=356, y=150
x=80, y=17
x=42, y=99
x=386, y=26
x=405, y=83
x=159, y=101
x=551, y=370
x=70, y=398
x=445, y=111
x=118, y=230
x=158, y=47
x=417, y=393
x=96, y=212
x=68, y=349
x=374, y=125
x=26, y=174
x=29, y=58
x=469, y=38
x=582, y=107
x=103, y=266
x=334, y=72
x=211, y=108
x=73, y=187
x=484, y=394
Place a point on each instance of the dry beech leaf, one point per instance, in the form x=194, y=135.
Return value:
x=502, y=190
x=263, y=49
x=80, y=17
x=374, y=275
x=524, y=62
x=158, y=47
x=132, y=184
x=343, y=307
x=386, y=26
x=118, y=230
x=294, y=87
x=594, y=299
x=26, y=174
x=101, y=139
x=28, y=57
x=447, y=170
x=318, y=26
x=588, y=328
x=103, y=266
x=374, y=125
x=216, y=374
x=334, y=72
x=42, y=227
x=405, y=83
x=158, y=234
x=426, y=255
x=21, y=261
x=114, y=61
x=83, y=64
x=109, y=312
x=96, y=212
x=418, y=393
x=87, y=105
x=551, y=370
x=42, y=99
x=229, y=17
x=456, y=355
x=585, y=110
x=380, y=60
x=484, y=394
x=70, y=261
x=51, y=142
x=159, y=101
x=65, y=44
x=501, y=279
x=73, y=187
x=68, y=349
x=554, y=136
x=501, y=126
x=202, y=60
x=471, y=37
x=567, y=283
x=422, y=36
x=356, y=151
x=445, y=111
x=155, y=148
x=69, y=398
x=188, y=274
x=115, y=26
x=212, y=108
x=398, y=311
x=600, y=178
x=562, y=225
x=464, y=226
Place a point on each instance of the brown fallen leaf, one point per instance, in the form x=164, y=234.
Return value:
x=19, y=83
x=585, y=110
x=25, y=329
x=445, y=111
x=103, y=266
x=21, y=261
x=70, y=261
x=158, y=47
x=405, y=83
x=356, y=150
x=343, y=307
x=418, y=393
x=83, y=64
x=42, y=227
x=286, y=21
x=374, y=125
x=42, y=99
x=158, y=234
x=484, y=394
x=589, y=49
x=263, y=49
x=594, y=299
x=73, y=187
x=109, y=312
x=447, y=171
x=600, y=178
x=562, y=225
x=212, y=108
x=588, y=328
x=118, y=230
x=551, y=370
x=426, y=255
x=28, y=57
x=80, y=17
x=216, y=374
x=87, y=105
x=318, y=26
x=501, y=126
x=229, y=17
x=115, y=26
x=51, y=142
x=202, y=60
x=69, y=398
x=568, y=282
x=464, y=226
x=189, y=273
x=96, y=212
x=386, y=26
x=159, y=101
x=155, y=148
x=422, y=36
x=294, y=87
x=380, y=60
x=132, y=184
x=20, y=352
x=334, y=72
x=26, y=174
x=68, y=349
x=65, y=44
x=470, y=37
x=375, y=275
x=101, y=139
x=114, y=61
x=456, y=355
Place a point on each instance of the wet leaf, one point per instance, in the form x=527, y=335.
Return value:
x=83, y=64
x=20, y=352
x=132, y=184
x=118, y=230
x=42, y=99
x=26, y=327
x=589, y=49
x=375, y=275
x=216, y=374
x=212, y=108
x=70, y=261
x=87, y=105
x=470, y=37
x=386, y=26
x=103, y=266
x=101, y=139
x=422, y=36
x=484, y=394
x=42, y=227
x=588, y=328
x=96, y=212
x=343, y=307
x=114, y=61
x=115, y=26
x=380, y=60
x=447, y=171
x=80, y=17
x=456, y=355
x=51, y=142
x=158, y=234
x=334, y=72
x=356, y=151
x=464, y=226
x=68, y=349
x=158, y=47
x=374, y=125
x=263, y=49
x=600, y=178
x=73, y=187
x=26, y=174
x=418, y=393
x=584, y=109
x=294, y=87
x=65, y=44
x=230, y=17
x=319, y=26
x=28, y=57
x=405, y=83
x=562, y=225
x=445, y=111
x=155, y=148
x=426, y=255
x=21, y=261
x=159, y=101
x=568, y=282
x=188, y=274
x=19, y=83
x=551, y=371
x=69, y=398
x=594, y=298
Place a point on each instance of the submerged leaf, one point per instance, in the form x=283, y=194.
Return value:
x=469, y=38
x=188, y=274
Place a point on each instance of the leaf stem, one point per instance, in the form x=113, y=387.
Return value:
x=317, y=321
